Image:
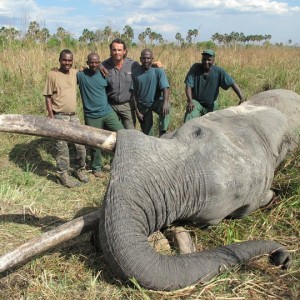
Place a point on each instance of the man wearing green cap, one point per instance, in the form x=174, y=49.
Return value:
x=202, y=86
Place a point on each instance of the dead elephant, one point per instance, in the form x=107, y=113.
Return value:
x=217, y=166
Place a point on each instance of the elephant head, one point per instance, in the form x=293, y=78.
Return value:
x=217, y=166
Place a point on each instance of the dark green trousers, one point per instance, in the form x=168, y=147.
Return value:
x=109, y=122
x=198, y=111
x=147, y=124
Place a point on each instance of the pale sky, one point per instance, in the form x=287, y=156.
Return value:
x=279, y=18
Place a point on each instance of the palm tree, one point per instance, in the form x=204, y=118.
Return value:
x=128, y=33
x=195, y=33
x=178, y=37
x=142, y=37
x=33, y=30
x=107, y=32
x=152, y=37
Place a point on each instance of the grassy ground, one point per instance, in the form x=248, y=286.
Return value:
x=32, y=201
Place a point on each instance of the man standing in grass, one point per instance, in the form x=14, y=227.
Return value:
x=150, y=90
x=120, y=68
x=202, y=86
x=97, y=112
x=60, y=94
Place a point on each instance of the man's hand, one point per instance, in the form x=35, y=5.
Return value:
x=190, y=107
x=157, y=64
x=242, y=100
x=165, y=109
x=139, y=116
x=104, y=71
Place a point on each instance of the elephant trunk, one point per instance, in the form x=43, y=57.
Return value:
x=130, y=255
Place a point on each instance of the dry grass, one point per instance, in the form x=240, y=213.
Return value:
x=32, y=201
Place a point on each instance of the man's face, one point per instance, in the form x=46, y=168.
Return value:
x=93, y=62
x=117, y=52
x=66, y=62
x=146, y=59
x=207, y=61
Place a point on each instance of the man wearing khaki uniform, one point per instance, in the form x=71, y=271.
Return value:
x=60, y=94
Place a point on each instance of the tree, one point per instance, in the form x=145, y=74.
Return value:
x=128, y=33
x=159, y=38
x=152, y=37
x=107, y=33
x=87, y=36
x=33, y=30
x=44, y=35
x=179, y=38
x=195, y=34
x=99, y=36
x=189, y=36
x=148, y=31
x=9, y=33
x=61, y=33
x=142, y=38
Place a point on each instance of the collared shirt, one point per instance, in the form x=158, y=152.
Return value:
x=62, y=88
x=149, y=84
x=119, y=81
x=92, y=90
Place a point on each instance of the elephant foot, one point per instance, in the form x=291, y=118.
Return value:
x=268, y=198
x=159, y=242
x=181, y=239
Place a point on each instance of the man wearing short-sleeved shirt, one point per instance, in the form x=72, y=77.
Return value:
x=60, y=95
x=202, y=86
x=97, y=111
x=150, y=89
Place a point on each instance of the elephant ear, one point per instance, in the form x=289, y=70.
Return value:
x=281, y=258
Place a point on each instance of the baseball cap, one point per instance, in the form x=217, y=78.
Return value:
x=208, y=52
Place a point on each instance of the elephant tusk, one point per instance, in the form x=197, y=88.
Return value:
x=58, y=129
x=181, y=239
x=49, y=239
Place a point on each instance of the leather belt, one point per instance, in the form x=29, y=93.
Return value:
x=65, y=114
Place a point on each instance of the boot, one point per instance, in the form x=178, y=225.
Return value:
x=67, y=181
x=80, y=174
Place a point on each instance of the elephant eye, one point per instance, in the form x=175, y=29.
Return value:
x=196, y=133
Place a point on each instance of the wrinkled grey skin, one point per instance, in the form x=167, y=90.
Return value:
x=217, y=166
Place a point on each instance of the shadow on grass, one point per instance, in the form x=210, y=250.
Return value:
x=28, y=157
x=38, y=157
x=80, y=246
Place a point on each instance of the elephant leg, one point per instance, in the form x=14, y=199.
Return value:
x=181, y=239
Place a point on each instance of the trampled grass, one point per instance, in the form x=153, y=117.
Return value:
x=32, y=201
